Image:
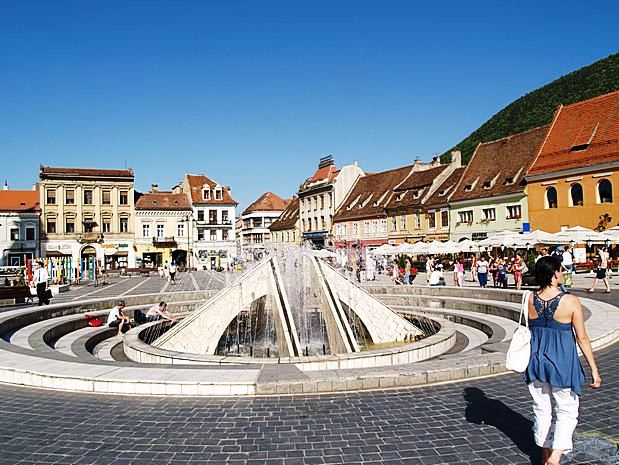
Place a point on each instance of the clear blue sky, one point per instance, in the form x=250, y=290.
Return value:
x=253, y=93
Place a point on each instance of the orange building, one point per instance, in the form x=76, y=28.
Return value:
x=573, y=179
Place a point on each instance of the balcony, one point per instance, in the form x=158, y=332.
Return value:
x=164, y=241
x=90, y=237
x=214, y=223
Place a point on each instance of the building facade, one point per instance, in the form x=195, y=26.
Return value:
x=162, y=233
x=257, y=219
x=213, y=221
x=285, y=230
x=436, y=216
x=408, y=220
x=320, y=196
x=573, y=179
x=88, y=215
x=360, y=223
x=19, y=226
x=492, y=194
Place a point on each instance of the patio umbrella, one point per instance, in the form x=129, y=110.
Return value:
x=323, y=253
x=613, y=233
x=468, y=245
x=405, y=248
x=385, y=249
x=502, y=238
x=580, y=235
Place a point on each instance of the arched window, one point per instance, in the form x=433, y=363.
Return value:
x=551, y=198
x=605, y=191
x=576, y=195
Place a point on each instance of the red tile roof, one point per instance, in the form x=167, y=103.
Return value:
x=268, y=202
x=581, y=134
x=288, y=218
x=498, y=167
x=163, y=201
x=441, y=195
x=196, y=183
x=326, y=173
x=76, y=172
x=412, y=191
x=371, y=193
x=19, y=201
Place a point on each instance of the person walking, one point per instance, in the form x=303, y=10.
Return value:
x=41, y=278
x=459, y=272
x=554, y=372
x=482, y=272
x=603, y=261
x=172, y=273
x=518, y=268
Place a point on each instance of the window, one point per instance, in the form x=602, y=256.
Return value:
x=180, y=230
x=366, y=228
x=432, y=219
x=206, y=194
x=551, y=198
x=160, y=230
x=69, y=225
x=123, y=198
x=218, y=194
x=576, y=195
x=224, y=235
x=488, y=214
x=89, y=225
x=224, y=216
x=257, y=222
x=107, y=225
x=294, y=234
x=212, y=216
x=30, y=234
x=513, y=212
x=403, y=221
x=51, y=226
x=124, y=225
x=465, y=216
x=14, y=234
x=605, y=191
x=322, y=202
x=330, y=200
x=200, y=215
x=87, y=196
x=106, y=198
x=214, y=235
x=201, y=234
x=355, y=229
x=69, y=197
x=145, y=230
x=383, y=225
x=417, y=221
x=50, y=197
x=444, y=218
x=394, y=223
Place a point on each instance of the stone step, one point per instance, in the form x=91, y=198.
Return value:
x=65, y=343
x=103, y=350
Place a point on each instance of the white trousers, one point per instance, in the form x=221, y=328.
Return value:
x=559, y=434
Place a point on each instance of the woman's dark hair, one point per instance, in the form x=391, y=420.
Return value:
x=545, y=269
x=163, y=304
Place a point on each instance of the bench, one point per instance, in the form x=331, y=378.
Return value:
x=21, y=294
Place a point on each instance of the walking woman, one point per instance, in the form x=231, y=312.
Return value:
x=554, y=372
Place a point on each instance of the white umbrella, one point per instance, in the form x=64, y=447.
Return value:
x=503, y=238
x=580, y=235
x=385, y=249
x=323, y=253
x=613, y=233
x=468, y=245
x=405, y=248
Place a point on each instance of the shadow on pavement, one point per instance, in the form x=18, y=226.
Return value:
x=484, y=411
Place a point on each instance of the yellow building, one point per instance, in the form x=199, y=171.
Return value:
x=409, y=219
x=285, y=230
x=573, y=178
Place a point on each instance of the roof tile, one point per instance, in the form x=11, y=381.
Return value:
x=268, y=202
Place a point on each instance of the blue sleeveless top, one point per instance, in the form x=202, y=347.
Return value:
x=554, y=358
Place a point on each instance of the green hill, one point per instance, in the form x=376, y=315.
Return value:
x=537, y=108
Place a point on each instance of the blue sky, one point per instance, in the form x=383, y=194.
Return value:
x=253, y=93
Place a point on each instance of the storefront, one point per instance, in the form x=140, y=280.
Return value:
x=151, y=260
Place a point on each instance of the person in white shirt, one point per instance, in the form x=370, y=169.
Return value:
x=172, y=272
x=603, y=260
x=159, y=311
x=41, y=277
x=436, y=276
x=116, y=318
x=568, y=260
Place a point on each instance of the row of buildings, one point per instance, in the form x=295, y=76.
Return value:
x=550, y=178
x=95, y=216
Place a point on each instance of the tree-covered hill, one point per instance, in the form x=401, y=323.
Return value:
x=537, y=108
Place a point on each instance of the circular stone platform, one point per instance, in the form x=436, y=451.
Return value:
x=31, y=360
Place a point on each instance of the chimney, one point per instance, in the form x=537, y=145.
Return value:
x=456, y=158
x=154, y=188
x=6, y=185
x=35, y=186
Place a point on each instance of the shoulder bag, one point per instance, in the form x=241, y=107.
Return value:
x=519, y=350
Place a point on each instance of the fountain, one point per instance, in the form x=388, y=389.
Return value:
x=289, y=305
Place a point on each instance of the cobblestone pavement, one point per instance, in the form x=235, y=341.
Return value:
x=474, y=422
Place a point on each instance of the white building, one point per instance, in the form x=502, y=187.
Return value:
x=214, y=243
x=257, y=219
x=320, y=196
x=19, y=226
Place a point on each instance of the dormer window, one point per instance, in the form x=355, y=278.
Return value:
x=206, y=193
x=509, y=181
x=218, y=193
x=468, y=187
x=442, y=193
x=487, y=185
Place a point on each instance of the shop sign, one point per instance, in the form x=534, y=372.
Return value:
x=480, y=236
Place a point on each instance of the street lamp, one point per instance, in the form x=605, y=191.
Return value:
x=572, y=243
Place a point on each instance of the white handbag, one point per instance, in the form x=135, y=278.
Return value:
x=519, y=350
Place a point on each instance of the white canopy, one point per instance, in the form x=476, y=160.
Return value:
x=323, y=253
x=613, y=233
x=468, y=245
x=385, y=249
x=580, y=235
x=502, y=238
